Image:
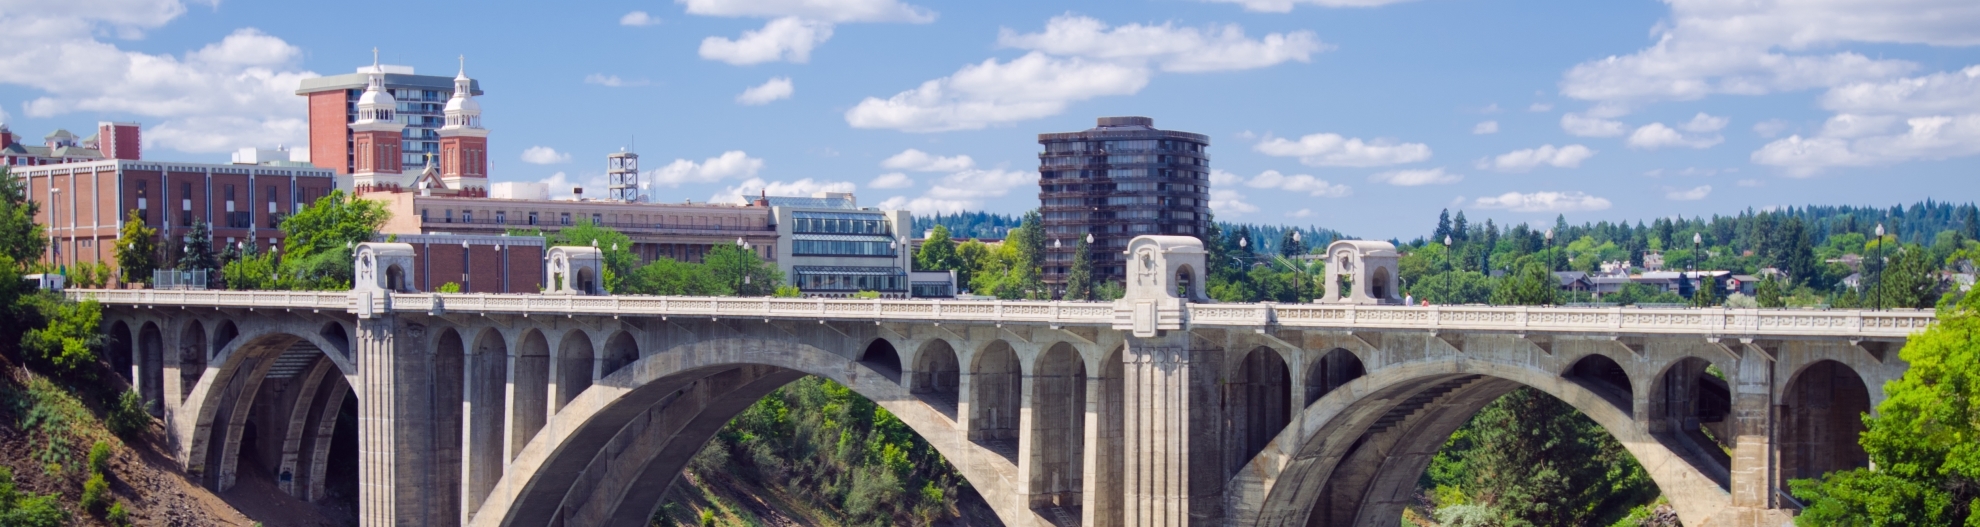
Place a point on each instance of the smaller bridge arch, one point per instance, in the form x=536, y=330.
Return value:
x=881, y=356
x=1821, y=416
x=996, y=381
x=1330, y=371
x=1058, y=428
x=937, y=376
x=575, y=367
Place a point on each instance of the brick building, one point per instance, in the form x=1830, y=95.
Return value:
x=479, y=263
x=419, y=102
x=677, y=231
x=112, y=141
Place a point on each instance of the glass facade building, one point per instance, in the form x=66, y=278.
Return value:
x=1121, y=179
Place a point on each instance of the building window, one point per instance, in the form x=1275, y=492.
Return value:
x=449, y=214
x=501, y=217
x=467, y=216
x=532, y=218
x=564, y=218
x=422, y=216
x=595, y=220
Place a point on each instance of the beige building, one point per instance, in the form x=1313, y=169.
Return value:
x=682, y=232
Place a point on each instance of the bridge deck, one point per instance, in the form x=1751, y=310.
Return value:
x=1773, y=323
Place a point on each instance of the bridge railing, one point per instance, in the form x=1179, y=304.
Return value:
x=1079, y=313
x=1714, y=321
x=338, y=300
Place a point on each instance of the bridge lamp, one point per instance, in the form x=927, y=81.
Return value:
x=1295, y=235
x=1089, y=238
x=739, y=241
x=1058, y=243
x=1880, y=266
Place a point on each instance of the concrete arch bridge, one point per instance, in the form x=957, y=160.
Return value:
x=1158, y=409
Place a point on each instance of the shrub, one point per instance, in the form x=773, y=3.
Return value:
x=26, y=509
x=867, y=295
x=127, y=417
x=99, y=458
x=95, y=494
x=708, y=518
x=69, y=341
x=787, y=291
x=118, y=516
x=449, y=287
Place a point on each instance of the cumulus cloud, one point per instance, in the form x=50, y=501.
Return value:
x=777, y=88
x=1301, y=213
x=1221, y=177
x=560, y=184
x=1709, y=47
x=1700, y=132
x=1334, y=150
x=612, y=81
x=919, y=161
x=638, y=19
x=1487, y=127
x=543, y=155
x=1272, y=179
x=1230, y=203
x=1074, y=59
x=1540, y=107
x=1179, y=49
x=1770, y=128
x=1569, y=156
x=1286, y=6
x=753, y=187
x=789, y=39
x=1693, y=194
x=1934, y=116
x=891, y=180
x=1590, y=126
x=732, y=164
x=822, y=10
x=1543, y=202
x=1416, y=178
x=237, y=92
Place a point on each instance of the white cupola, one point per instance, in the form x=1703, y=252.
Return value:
x=462, y=111
x=377, y=104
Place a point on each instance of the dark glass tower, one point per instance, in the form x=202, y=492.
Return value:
x=1121, y=179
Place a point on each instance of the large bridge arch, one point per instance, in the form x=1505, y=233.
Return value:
x=215, y=417
x=606, y=459
x=1414, y=406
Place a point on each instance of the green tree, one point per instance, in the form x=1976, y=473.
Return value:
x=68, y=343
x=614, y=246
x=1079, y=280
x=972, y=256
x=198, y=249
x=1770, y=293
x=27, y=509
x=137, y=250
x=21, y=239
x=1454, y=287
x=1921, y=439
x=316, y=253
x=1534, y=460
x=741, y=271
x=938, y=252
x=1706, y=293
x=251, y=271
x=1909, y=280
x=1290, y=244
x=1533, y=285
x=667, y=276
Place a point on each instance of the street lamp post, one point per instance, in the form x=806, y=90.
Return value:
x=1879, y=291
x=1447, y=254
x=1697, y=241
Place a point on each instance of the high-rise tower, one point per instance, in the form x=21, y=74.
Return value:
x=1121, y=179
x=463, y=142
x=375, y=137
x=622, y=176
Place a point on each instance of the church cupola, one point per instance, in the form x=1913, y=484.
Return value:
x=376, y=137
x=463, y=142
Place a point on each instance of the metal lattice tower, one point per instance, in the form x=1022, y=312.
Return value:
x=622, y=176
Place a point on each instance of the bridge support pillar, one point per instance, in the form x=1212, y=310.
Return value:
x=1174, y=473
x=397, y=432
x=1754, y=502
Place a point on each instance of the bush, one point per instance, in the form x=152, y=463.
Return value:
x=867, y=295
x=99, y=458
x=127, y=417
x=96, y=494
x=787, y=291
x=707, y=518
x=118, y=516
x=26, y=509
x=449, y=287
x=69, y=341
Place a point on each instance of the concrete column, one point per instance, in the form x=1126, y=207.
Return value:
x=1752, y=416
x=396, y=427
x=1101, y=494
x=1174, y=459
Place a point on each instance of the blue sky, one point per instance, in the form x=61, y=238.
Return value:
x=1365, y=116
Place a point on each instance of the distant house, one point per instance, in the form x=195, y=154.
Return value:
x=1574, y=281
x=1742, y=283
x=1607, y=285
x=1853, y=281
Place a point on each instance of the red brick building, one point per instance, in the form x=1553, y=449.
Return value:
x=480, y=264
x=422, y=104
x=112, y=141
x=84, y=204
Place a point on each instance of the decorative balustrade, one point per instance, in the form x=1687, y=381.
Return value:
x=1512, y=319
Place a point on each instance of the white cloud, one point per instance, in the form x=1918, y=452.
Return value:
x=991, y=93
x=1703, y=123
x=788, y=39
x=891, y=180
x=1415, y=178
x=1589, y=126
x=1215, y=48
x=1317, y=187
x=1286, y=6
x=753, y=187
x=639, y=18
x=612, y=81
x=1569, y=156
x=775, y=89
x=1221, y=177
x=1543, y=202
x=730, y=165
x=543, y=155
x=1540, y=107
x=1487, y=127
x=1074, y=59
x=1711, y=47
x=962, y=190
x=1230, y=203
x=1934, y=116
x=1693, y=194
x=825, y=10
x=1655, y=135
x=1770, y=128
x=1301, y=213
x=237, y=92
x=919, y=161
x=1335, y=150
x=924, y=205
x=560, y=184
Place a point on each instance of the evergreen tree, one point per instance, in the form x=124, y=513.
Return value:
x=1290, y=245
x=198, y=253
x=1443, y=226
x=137, y=250
x=1535, y=460
x=1459, y=229
x=1079, y=280
x=1909, y=280
x=1532, y=285
x=1970, y=223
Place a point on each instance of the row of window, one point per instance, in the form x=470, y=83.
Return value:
x=841, y=248
x=841, y=282
x=501, y=217
x=816, y=225
x=1126, y=173
x=1052, y=161
x=1128, y=144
